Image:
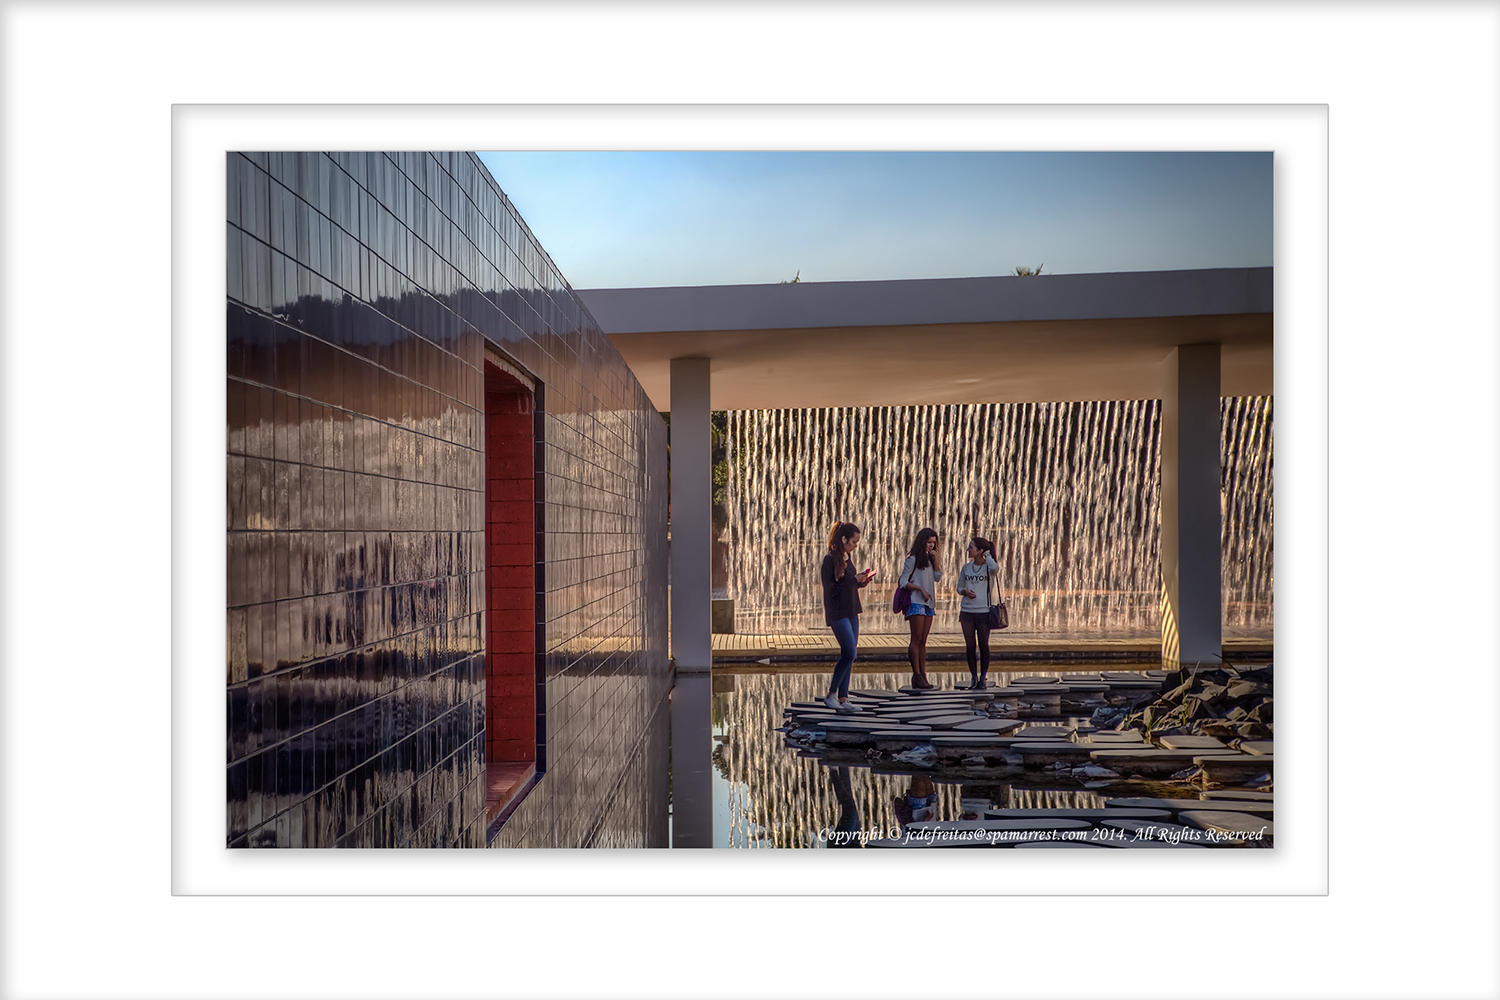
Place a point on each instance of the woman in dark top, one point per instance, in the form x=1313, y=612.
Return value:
x=841, y=608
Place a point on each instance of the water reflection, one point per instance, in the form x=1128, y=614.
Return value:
x=692, y=746
x=767, y=794
x=918, y=804
x=847, y=829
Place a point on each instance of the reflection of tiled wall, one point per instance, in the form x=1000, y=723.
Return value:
x=362, y=289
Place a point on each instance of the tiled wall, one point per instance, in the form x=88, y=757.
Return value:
x=362, y=291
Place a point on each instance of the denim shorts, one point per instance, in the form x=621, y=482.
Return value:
x=918, y=609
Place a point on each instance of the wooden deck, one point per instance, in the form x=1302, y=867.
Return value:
x=1003, y=646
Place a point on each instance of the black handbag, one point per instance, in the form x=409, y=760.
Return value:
x=999, y=617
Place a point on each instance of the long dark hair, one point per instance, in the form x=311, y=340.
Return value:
x=984, y=545
x=919, y=547
x=841, y=531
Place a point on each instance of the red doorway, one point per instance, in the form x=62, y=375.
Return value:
x=515, y=699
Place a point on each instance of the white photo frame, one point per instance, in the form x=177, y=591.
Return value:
x=1298, y=136
x=1412, y=156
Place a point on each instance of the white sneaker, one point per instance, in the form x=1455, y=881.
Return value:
x=849, y=706
x=832, y=701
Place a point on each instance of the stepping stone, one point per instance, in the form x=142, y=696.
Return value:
x=1111, y=738
x=1149, y=753
x=990, y=725
x=1192, y=743
x=1240, y=794
x=1148, y=762
x=954, y=737
x=849, y=725
x=849, y=733
x=1069, y=678
x=1259, y=747
x=994, y=749
x=1047, y=732
x=938, y=696
x=900, y=739
x=1176, y=805
x=1048, y=751
x=1126, y=675
x=1089, y=814
x=865, y=693
x=907, y=713
x=1234, y=761
x=944, y=721
x=1236, y=824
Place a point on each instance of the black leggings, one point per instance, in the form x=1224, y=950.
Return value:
x=973, y=622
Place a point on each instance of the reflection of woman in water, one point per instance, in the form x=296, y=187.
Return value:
x=846, y=830
x=919, y=804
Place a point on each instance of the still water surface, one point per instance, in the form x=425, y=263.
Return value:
x=766, y=794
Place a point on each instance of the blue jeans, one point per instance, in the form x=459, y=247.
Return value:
x=846, y=631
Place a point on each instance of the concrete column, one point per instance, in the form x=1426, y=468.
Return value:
x=692, y=760
x=691, y=604
x=692, y=518
x=1192, y=615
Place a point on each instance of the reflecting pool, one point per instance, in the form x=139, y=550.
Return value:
x=776, y=783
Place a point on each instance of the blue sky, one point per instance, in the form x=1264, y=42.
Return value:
x=623, y=219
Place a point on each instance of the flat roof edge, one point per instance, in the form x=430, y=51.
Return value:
x=932, y=301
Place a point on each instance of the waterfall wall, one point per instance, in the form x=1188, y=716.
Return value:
x=1069, y=493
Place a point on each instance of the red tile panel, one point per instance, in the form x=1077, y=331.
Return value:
x=510, y=559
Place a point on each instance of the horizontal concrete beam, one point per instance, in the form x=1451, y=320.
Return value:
x=1043, y=298
x=955, y=340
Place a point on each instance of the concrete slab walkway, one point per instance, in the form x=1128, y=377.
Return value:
x=892, y=647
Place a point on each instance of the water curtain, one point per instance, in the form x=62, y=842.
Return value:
x=1069, y=492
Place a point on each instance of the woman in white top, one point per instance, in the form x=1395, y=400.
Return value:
x=919, y=574
x=976, y=582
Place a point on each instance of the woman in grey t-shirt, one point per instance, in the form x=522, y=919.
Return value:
x=976, y=582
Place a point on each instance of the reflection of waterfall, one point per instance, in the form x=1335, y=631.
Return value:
x=1068, y=492
x=777, y=799
x=1051, y=798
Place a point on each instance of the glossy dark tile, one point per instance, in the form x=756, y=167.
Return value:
x=362, y=290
